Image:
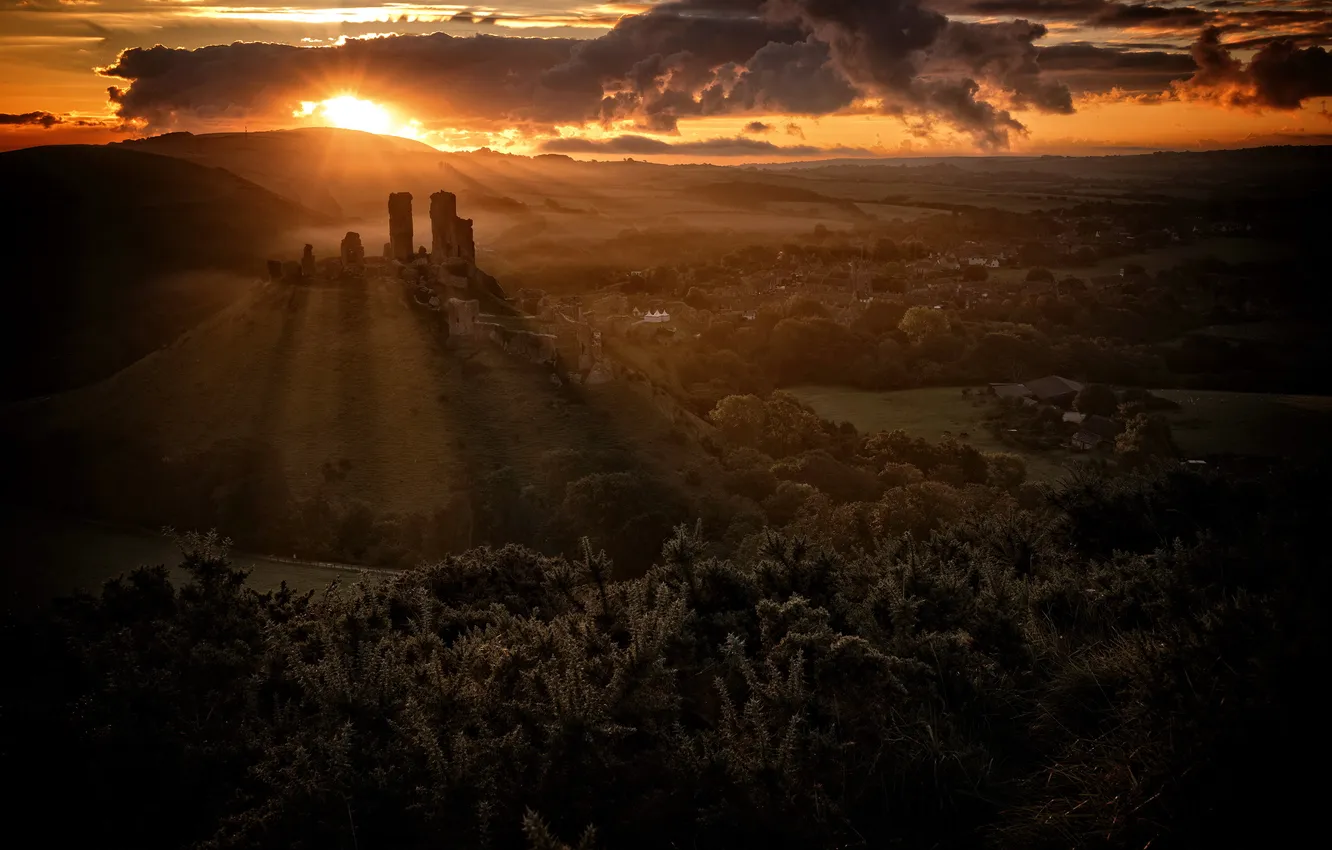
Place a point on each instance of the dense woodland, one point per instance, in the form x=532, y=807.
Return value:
x=1127, y=662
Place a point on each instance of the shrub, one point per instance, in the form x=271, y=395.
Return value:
x=1126, y=667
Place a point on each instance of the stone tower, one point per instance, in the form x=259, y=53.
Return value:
x=466, y=245
x=443, y=229
x=400, y=226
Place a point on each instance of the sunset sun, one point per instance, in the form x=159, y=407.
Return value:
x=352, y=113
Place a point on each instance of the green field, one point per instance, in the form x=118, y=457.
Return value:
x=930, y=414
x=1261, y=424
x=1208, y=422
x=1268, y=331
x=1229, y=249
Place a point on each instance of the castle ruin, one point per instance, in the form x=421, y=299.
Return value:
x=450, y=236
x=353, y=252
x=400, y=226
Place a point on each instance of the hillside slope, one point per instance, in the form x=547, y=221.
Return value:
x=103, y=237
x=335, y=422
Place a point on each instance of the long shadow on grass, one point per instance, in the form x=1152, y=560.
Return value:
x=492, y=411
x=358, y=383
x=482, y=407
x=262, y=494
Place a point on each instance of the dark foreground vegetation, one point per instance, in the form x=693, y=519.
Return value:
x=1131, y=663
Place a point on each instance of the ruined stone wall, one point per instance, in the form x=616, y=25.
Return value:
x=462, y=316
x=352, y=251
x=466, y=243
x=534, y=347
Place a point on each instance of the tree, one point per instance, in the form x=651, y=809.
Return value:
x=1146, y=436
x=886, y=250
x=698, y=299
x=741, y=419
x=920, y=322
x=887, y=283
x=879, y=317
x=1040, y=275
x=1096, y=400
x=975, y=273
x=814, y=349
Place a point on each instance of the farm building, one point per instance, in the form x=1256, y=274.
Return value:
x=1010, y=390
x=1055, y=390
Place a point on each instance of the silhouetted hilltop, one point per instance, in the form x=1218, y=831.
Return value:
x=105, y=233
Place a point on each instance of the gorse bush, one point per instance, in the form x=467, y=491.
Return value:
x=1122, y=668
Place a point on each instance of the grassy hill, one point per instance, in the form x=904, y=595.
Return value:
x=332, y=421
x=108, y=246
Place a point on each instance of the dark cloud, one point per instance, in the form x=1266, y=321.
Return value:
x=1280, y=75
x=918, y=63
x=792, y=78
x=677, y=60
x=30, y=119
x=1100, y=13
x=1006, y=53
x=794, y=129
x=739, y=146
x=758, y=127
x=1090, y=68
x=1145, y=15
x=1050, y=9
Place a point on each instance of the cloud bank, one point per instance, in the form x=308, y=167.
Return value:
x=688, y=59
x=30, y=119
x=631, y=145
x=677, y=60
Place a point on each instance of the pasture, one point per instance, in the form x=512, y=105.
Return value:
x=1229, y=249
x=1214, y=422
x=1209, y=422
x=929, y=413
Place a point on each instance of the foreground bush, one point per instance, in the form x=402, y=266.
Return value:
x=1125, y=669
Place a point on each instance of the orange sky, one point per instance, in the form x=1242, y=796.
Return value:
x=1134, y=88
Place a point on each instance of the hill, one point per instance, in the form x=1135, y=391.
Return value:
x=321, y=167
x=111, y=246
x=333, y=421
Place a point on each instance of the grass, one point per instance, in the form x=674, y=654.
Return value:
x=352, y=394
x=930, y=414
x=1207, y=423
x=1264, y=331
x=1258, y=424
x=1230, y=249
x=52, y=557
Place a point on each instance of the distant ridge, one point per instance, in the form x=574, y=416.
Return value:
x=103, y=230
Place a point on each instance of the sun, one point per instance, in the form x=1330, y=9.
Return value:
x=352, y=113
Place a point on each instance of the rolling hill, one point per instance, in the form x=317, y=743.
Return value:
x=118, y=251
x=311, y=418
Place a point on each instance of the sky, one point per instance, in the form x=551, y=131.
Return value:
x=686, y=80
